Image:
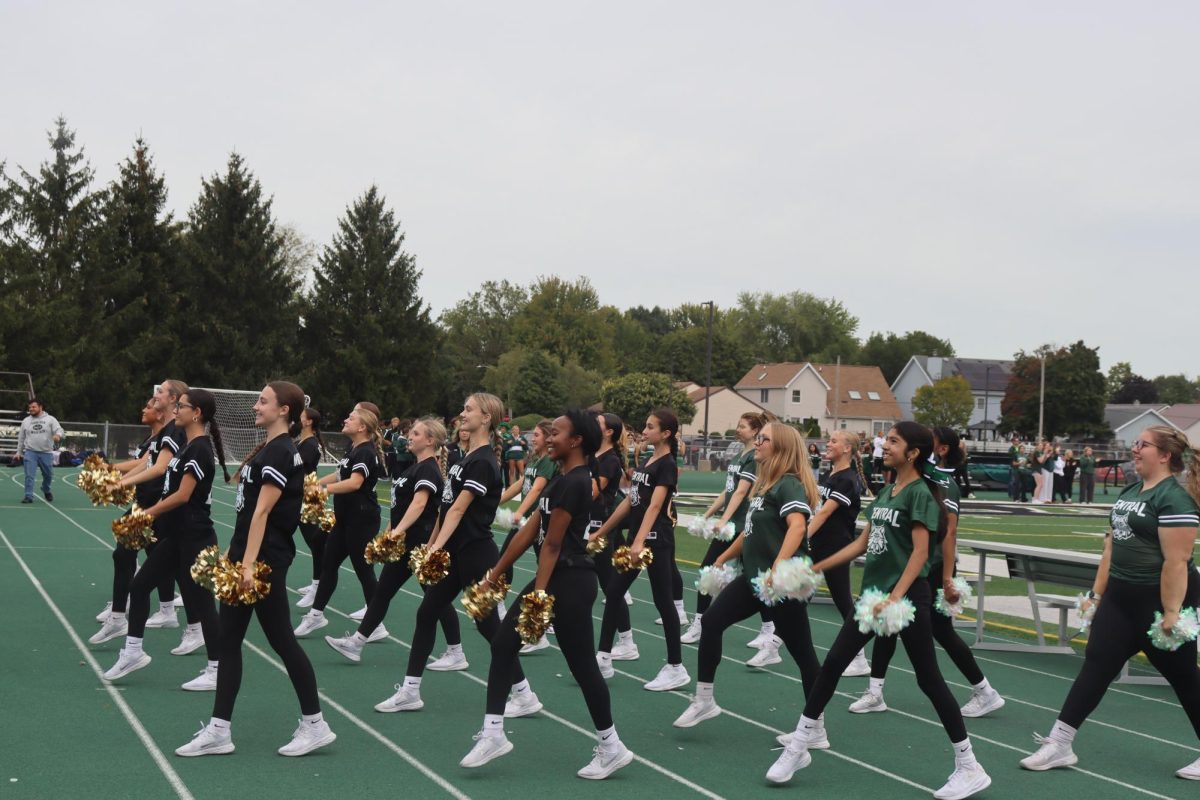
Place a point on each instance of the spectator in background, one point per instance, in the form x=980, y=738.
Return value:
x=1070, y=466
x=1087, y=476
x=962, y=473
x=1036, y=456
x=1060, y=478
x=877, y=451
x=36, y=440
x=1016, y=488
x=814, y=460
x=1047, y=468
x=868, y=461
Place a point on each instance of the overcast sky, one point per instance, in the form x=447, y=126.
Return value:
x=1001, y=174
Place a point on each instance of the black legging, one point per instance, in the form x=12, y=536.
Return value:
x=173, y=557
x=124, y=567
x=604, y=568
x=468, y=565
x=737, y=602
x=822, y=546
x=662, y=572
x=274, y=615
x=512, y=532
x=918, y=642
x=348, y=538
x=676, y=583
x=315, y=538
x=574, y=590
x=1119, y=633
x=943, y=633
x=391, y=578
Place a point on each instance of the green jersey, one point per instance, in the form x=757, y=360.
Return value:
x=1014, y=457
x=944, y=478
x=742, y=468
x=1136, y=518
x=766, y=523
x=539, y=467
x=890, y=544
x=1087, y=465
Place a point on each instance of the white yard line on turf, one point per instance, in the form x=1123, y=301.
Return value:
x=177, y=784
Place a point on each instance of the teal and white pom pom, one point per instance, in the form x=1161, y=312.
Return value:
x=695, y=526
x=505, y=518
x=725, y=533
x=894, y=617
x=766, y=592
x=1085, y=616
x=713, y=579
x=796, y=580
x=953, y=609
x=1185, y=630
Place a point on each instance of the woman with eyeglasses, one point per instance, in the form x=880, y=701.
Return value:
x=1146, y=569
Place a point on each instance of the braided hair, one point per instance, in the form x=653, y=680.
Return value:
x=206, y=404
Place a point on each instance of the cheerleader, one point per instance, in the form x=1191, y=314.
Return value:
x=415, y=494
x=566, y=572
x=356, y=517
x=779, y=507
x=311, y=446
x=732, y=504
x=832, y=527
x=611, y=470
x=652, y=524
x=984, y=699
x=904, y=521
x=1145, y=580
x=184, y=528
x=269, y=495
x=464, y=529
x=125, y=561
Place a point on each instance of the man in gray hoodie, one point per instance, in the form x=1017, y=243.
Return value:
x=36, y=439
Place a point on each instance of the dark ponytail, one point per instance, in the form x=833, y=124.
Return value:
x=668, y=423
x=585, y=426
x=315, y=417
x=206, y=404
x=948, y=437
x=918, y=437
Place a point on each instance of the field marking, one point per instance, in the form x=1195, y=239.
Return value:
x=177, y=784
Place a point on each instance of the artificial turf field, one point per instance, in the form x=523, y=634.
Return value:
x=67, y=734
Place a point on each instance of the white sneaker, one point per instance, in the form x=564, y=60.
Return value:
x=606, y=762
x=982, y=703
x=486, y=749
x=683, y=618
x=347, y=646
x=625, y=651
x=308, y=737
x=964, y=782
x=312, y=621
x=449, y=662
x=697, y=712
x=1050, y=755
x=312, y=587
x=378, y=635
x=1189, y=773
x=817, y=740
x=103, y=615
x=308, y=597
x=858, y=667
x=126, y=664
x=671, y=676
x=163, y=618
x=628, y=599
x=792, y=758
x=177, y=601
x=540, y=644
x=692, y=634
x=111, y=629
x=358, y=615
x=767, y=656
x=870, y=702
x=192, y=641
x=208, y=741
x=206, y=681
x=604, y=661
x=761, y=640
x=403, y=700
x=522, y=705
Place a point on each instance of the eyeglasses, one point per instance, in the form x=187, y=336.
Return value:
x=1140, y=443
x=760, y=439
x=181, y=406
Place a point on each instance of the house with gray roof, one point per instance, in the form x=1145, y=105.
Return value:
x=988, y=378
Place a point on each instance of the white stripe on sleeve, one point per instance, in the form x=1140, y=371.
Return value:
x=275, y=475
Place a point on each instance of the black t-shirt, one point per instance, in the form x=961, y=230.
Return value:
x=454, y=455
x=365, y=461
x=608, y=465
x=169, y=437
x=479, y=474
x=423, y=476
x=571, y=493
x=193, y=519
x=646, y=478
x=841, y=487
x=310, y=454
x=279, y=464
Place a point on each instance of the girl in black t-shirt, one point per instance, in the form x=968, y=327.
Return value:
x=356, y=514
x=651, y=524
x=565, y=571
x=610, y=469
x=184, y=527
x=416, y=493
x=311, y=447
x=464, y=529
x=269, y=495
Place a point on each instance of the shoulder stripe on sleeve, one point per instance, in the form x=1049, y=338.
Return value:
x=363, y=468
x=169, y=442
x=951, y=506
x=794, y=506
x=194, y=467
x=1180, y=520
x=427, y=484
x=747, y=476
x=275, y=475
x=841, y=498
x=475, y=486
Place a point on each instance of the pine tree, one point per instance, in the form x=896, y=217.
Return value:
x=367, y=333
x=239, y=315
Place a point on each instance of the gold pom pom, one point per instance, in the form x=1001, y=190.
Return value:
x=537, y=612
x=597, y=545
x=223, y=578
x=429, y=567
x=134, y=530
x=386, y=548
x=102, y=484
x=205, y=567
x=624, y=561
x=313, y=510
x=480, y=600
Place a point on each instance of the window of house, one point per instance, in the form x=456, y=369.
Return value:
x=855, y=395
x=979, y=402
x=872, y=395
x=879, y=427
x=795, y=395
x=764, y=395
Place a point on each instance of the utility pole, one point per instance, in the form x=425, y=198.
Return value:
x=708, y=379
x=1042, y=400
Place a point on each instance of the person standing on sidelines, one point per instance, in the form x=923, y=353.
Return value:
x=269, y=495
x=36, y=440
x=1016, y=487
x=1087, y=476
x=1146, y=578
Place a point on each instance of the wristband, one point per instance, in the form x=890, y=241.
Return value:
x=1092, y=595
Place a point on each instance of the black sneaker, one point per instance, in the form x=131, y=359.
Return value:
x=26, y=499
x=49, y=497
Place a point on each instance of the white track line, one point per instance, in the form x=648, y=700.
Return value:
x=177, y=784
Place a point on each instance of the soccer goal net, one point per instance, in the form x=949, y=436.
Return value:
x=235, y=415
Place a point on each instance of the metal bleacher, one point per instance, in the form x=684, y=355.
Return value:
x=16, y=390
